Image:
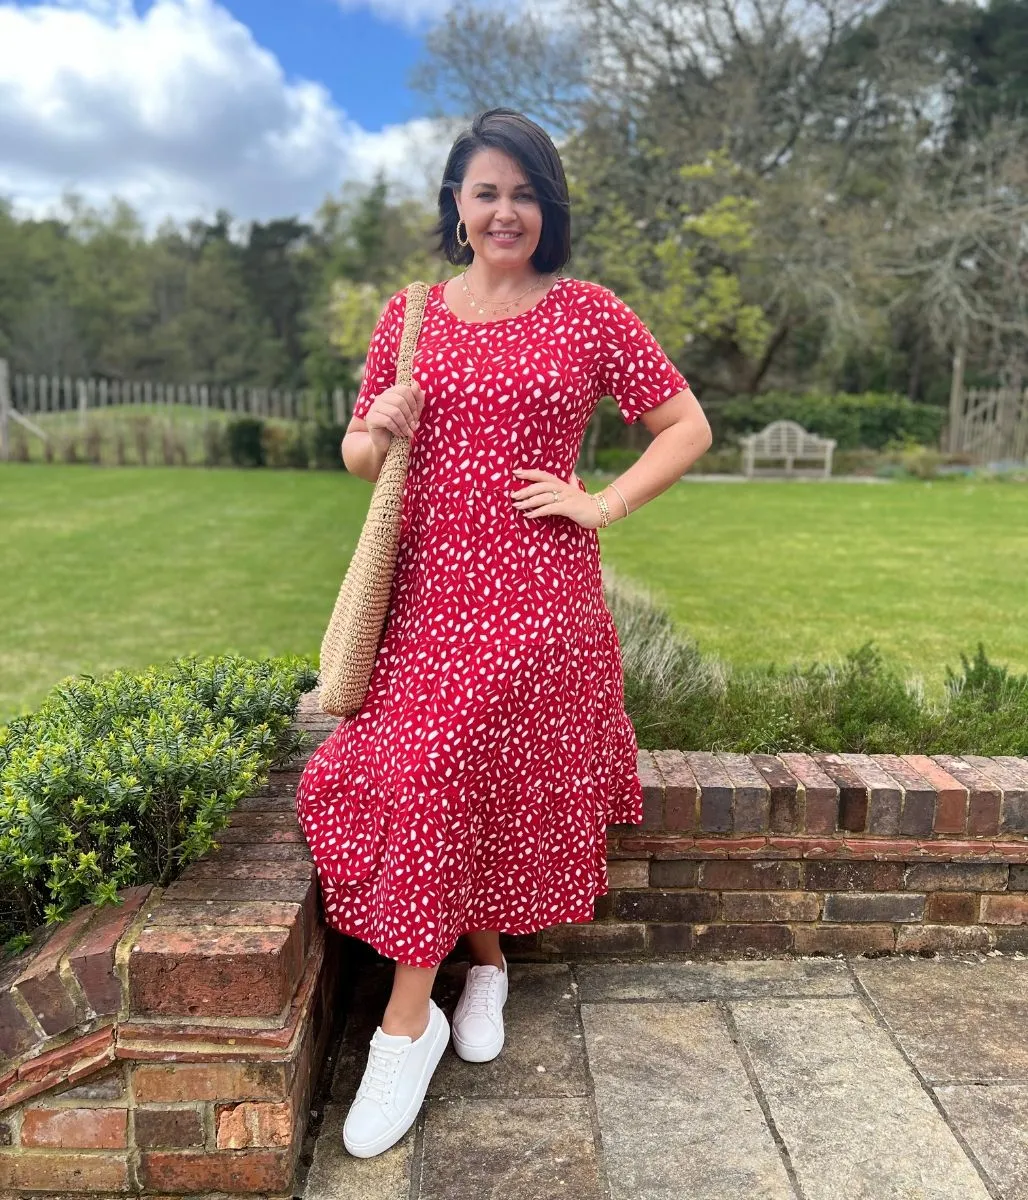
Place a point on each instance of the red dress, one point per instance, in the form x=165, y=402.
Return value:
x=473, y=789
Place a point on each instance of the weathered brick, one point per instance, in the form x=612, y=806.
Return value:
x=165, y=1128
x=917, y=818
x=1005, y=909
x=741, y=939
x=1013, y=812
x=950, y=796
x=241, y=1126
x=1009, y=938
x=681, y=791
x=943, y=939
x=215, y=972
x=755, y=875
x=107, y=1086
x=853, y=802
x=884, y=795
x=290, y=891
x=75, y=1128
x=214, y=872
x=983, y=798
x=674, y=873
x=952, y=908
x=653, y=905
x=594, y=937
x=769, y=906
x=49, y=1171
x=16, y=1034
x=603, y=906
x=716, y=792
x=1018, y=878
x=40, y=984
x=843, y=939
x=786, y=808
x=653, y=792
x=841, y=875
x=956, y=876
x=628, y=872
x=674, y=938
x=92, y=959
x=240, y=1172
x=863, y=906
x=752, y=802
x=820, y=794
x=280, y=783
x=159, y=1083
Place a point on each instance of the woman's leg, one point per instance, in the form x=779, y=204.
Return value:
x=407, y=1010
x=485, y=948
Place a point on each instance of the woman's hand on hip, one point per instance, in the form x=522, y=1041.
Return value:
x=536, y=498
x=396, y=412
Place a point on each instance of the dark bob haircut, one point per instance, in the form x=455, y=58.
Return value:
x=531, y=148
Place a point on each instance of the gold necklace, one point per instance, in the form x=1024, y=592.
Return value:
x=501, y=304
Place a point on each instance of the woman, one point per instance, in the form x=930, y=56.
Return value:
x=471, y=793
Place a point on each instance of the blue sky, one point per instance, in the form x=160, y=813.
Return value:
x=363, y=60
x=182, y=107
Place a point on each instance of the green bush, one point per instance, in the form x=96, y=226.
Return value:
x=326, y=447
x=245, y=442
x=127, y=778
x=679, y=698
x=871, y=420
x=285, y=446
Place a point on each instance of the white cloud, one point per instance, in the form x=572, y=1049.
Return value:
x=180, y=112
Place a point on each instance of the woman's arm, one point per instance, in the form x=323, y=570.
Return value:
x=361, y=455
x=681, y=435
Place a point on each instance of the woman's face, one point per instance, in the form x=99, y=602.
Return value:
x=496, y=198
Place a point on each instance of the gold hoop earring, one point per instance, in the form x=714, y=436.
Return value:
x=466, y=240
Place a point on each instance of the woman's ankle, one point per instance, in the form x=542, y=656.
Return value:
x=409, y=1024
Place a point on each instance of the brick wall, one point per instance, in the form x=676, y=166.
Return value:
x=852, y=853
x=169, y=1046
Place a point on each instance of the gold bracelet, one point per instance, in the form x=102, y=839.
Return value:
x=623, y=500
x=604, y=510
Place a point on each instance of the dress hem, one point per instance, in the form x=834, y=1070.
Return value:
x=585, y=915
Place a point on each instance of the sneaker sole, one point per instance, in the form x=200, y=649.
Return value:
x=478, y=1054
x=395, y=1132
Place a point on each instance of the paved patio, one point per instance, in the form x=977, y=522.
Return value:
x=796, y=1079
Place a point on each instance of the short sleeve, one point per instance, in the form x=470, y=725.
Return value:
x=631, y=365
x=380, y=365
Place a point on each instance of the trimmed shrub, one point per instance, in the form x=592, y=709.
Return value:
x=871, y=420
x=244, y=439
x=127, y=778
x=285, y=447
x=326, y=447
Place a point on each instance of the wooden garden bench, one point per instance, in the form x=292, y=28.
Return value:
x=786, y=442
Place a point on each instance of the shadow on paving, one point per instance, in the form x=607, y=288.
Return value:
x=899, y=1078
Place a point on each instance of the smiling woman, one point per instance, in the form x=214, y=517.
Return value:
x=470, y=794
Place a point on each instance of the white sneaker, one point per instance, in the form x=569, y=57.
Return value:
x=478, y=1017
x=394, y=1084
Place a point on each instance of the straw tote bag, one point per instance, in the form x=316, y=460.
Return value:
x=351, y=641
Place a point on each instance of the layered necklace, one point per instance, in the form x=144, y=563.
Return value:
x=489, y=307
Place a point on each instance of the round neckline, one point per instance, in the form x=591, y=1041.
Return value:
x=441, y=285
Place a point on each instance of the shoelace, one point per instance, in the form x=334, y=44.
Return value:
x=380, y=1073
x=480, y=991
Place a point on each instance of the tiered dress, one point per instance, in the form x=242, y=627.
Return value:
x=473, y=789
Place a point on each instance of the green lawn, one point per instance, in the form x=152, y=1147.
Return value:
x=124, y=567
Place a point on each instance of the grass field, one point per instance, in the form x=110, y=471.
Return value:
x=101, y=568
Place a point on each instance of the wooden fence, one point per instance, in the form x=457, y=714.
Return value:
x=991, y=425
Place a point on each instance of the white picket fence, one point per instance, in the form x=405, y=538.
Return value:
x=39, y=395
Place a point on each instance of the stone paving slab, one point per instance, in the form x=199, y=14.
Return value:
x=854, y=1119
x=676, y=1112
x=527, y=1149
x=993, y=1121
x=785, y=1079
x=958, y=1019
x=734, y=979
